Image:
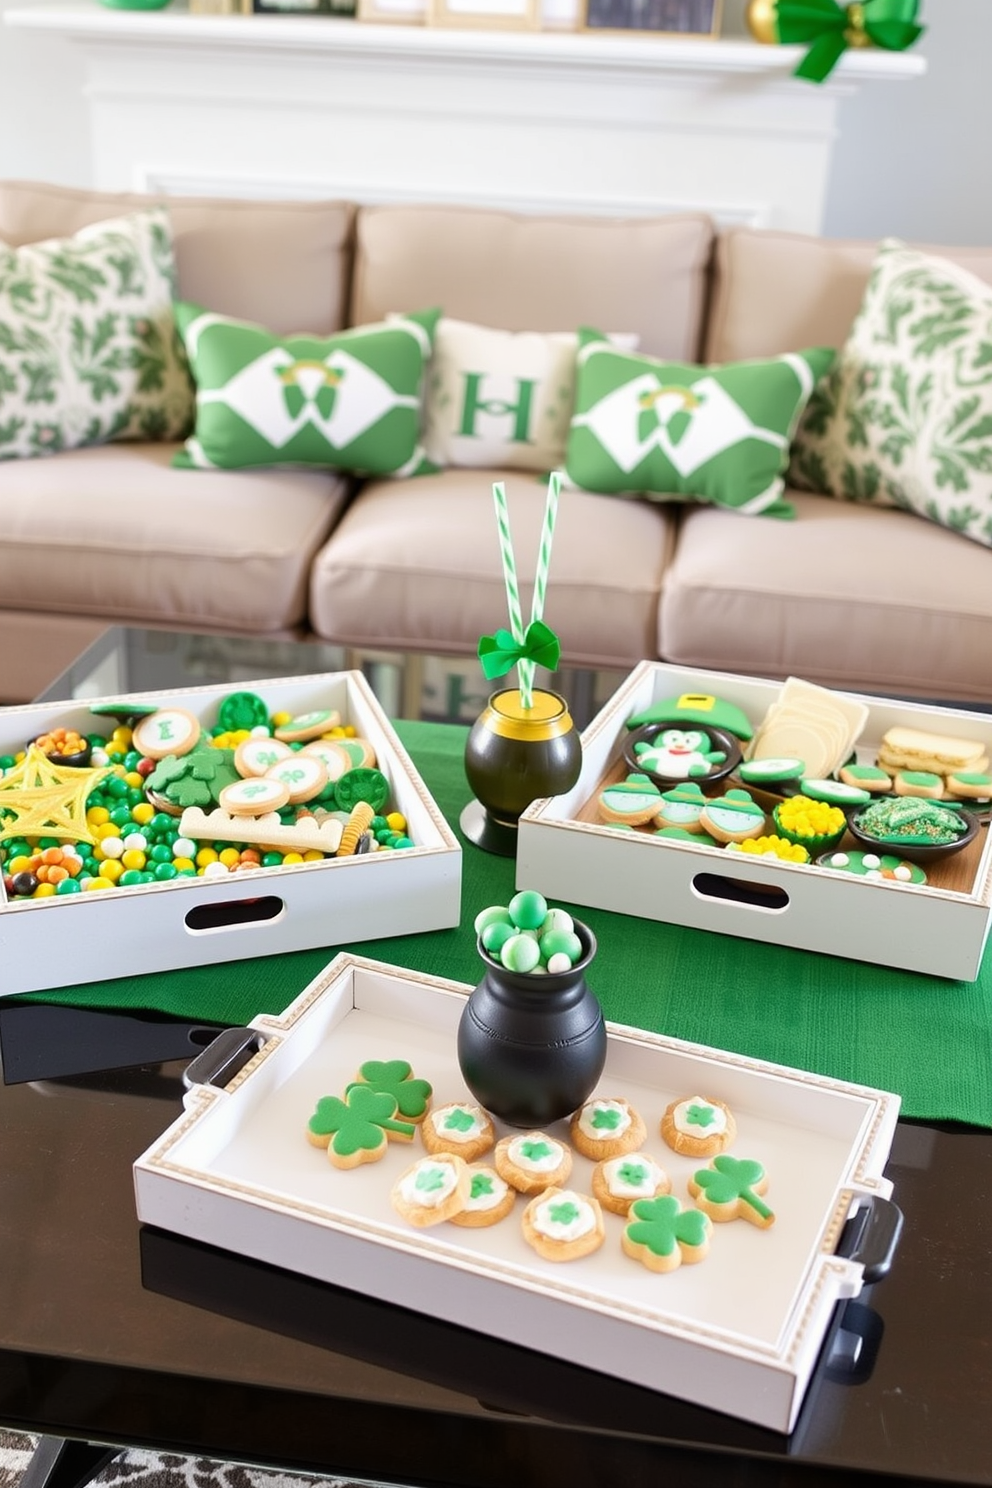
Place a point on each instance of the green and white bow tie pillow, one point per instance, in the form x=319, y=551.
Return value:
x=676, y=432
x=88, y=344
x=351, y=401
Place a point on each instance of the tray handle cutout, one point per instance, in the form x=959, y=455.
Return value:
x=768, y=898
x=234, y=914
x=871, y=1237
x=224, y=1058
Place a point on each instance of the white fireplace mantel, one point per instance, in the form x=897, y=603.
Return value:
x=314, y=106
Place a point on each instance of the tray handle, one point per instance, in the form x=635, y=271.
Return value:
x=222, y=1059
x=871, y=1237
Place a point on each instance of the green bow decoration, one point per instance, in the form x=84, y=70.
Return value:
x=831, y=28
x=499, y=652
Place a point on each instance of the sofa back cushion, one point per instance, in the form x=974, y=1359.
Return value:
x=283, y=264
x=642, y=276
x=776, y=292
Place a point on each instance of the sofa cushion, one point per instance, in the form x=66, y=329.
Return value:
x=905, y=417
x=643, y=276
x=351, y=401
x=500, y=398
x=678, y=432
x=844, y=595
x=779, y=291
x=115, y=531
x=88, y=345
x=425, y=571
x=285, y=264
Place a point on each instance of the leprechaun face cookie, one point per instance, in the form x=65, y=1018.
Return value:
x=490, y=1199
x=606, y=1128
x=461, y=1127
x=618, y=1181
x=697, y=1126
x=631, y=802
x=562, y=1225
x=663, y=1236
x=681, y=806
x=732, y=817
x=434, y=1189
x=532, y=1162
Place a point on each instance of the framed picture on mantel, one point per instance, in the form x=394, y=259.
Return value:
x=661, y=17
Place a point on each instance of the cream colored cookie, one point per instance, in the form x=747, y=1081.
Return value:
x=562, y=1225
x=631, y=802
x=969, y=785
x=606, y=1128
x=698, y=1126
x=919, y=783
x=618, y=1181
x=731, y=1188
x=532, y=1161
x=166, y=731
x=460, y=1127
x=432, y=1189
x=308, y=725
x=663, y=1236
x=490, y=1199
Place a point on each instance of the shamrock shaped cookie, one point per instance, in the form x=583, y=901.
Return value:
x=730, y=1188
x=395, y=1077
x=663, y=1236
x=355, y=1130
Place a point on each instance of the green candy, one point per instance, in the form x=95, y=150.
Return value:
x=528, y=909
x=495, y=936
x=496, y=914
x=561, y=943
x=520, y=953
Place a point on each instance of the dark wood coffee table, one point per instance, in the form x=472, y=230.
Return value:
x=114, y=1335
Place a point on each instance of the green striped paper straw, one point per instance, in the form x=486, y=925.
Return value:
x=512, y=591
x=543, y=563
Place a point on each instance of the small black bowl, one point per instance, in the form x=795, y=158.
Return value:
x=715, y=740
x=929, y=852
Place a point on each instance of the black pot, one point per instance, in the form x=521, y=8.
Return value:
x=531, y=1048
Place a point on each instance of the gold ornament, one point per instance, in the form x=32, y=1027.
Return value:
x=761, y=21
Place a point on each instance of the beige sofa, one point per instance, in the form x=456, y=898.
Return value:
x=844, y=595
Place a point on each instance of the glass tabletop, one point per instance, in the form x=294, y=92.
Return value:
x=442, y=689
x=115, y=1333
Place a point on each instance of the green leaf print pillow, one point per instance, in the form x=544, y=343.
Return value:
x=351, y=401
x=88, y=345
x=905, y=417
x=675, y=432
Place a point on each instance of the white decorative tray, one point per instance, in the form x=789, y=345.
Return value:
x=49, y=942
x=739, y=1333
x=565, y=851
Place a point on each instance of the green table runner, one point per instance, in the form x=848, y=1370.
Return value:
x=928, y=1039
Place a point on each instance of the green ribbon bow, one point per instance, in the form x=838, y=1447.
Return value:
x=499, y=652
x=832, y=28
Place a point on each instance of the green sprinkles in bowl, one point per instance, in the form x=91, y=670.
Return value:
x=913, y=820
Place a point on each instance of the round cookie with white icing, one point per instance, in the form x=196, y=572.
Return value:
x=460, y=1127
x=562, y=1225
x=490, y=1199
x=432, y=1189
x=532, y=1161
x=698, y=1126
x=618, y=1181
x=606, y=1128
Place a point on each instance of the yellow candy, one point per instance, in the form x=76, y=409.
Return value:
x=313, y=856
x=204, y=856
x=183, y=865
x=133, y=857
x=279, y=720
x=143, y=813
x=292, y=857
x=44, y=891
x=97, y=815
x=96, y=885
x=396, y=821
x=229, y=856
x=18, y=865
x=112, y=869
x=134, y=779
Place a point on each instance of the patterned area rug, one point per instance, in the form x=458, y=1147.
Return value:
x=159, y=1470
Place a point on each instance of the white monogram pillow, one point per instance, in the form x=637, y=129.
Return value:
x=501, y=399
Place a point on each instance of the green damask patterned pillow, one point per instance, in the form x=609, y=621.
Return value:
x=676, y=432
x=351, y=401
x=905, y=417
x=88, y=347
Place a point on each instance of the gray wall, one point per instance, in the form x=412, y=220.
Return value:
x=910, y=159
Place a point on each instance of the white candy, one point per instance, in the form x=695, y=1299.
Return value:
x=135, y=842
x=903, y=873
x=184, y=847
x=261, y=731
x=215, y=870
x=559, y=962
x=871, y=861
x=111, y=847
x=99, y=757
